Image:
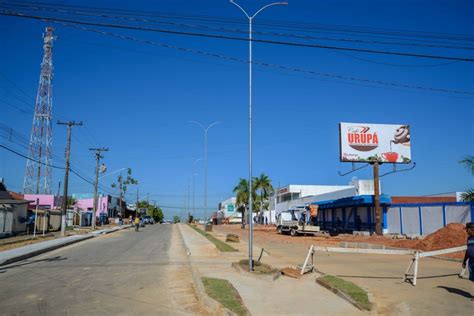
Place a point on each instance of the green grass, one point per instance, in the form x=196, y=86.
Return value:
x=356, y=293
x=222, y=246
x=225, y=293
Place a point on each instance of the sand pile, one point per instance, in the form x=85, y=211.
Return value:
x=291, y=272
x=453, y=235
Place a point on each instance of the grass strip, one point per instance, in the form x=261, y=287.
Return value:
x=225, y=293
x=222, y=246
x=353, y=291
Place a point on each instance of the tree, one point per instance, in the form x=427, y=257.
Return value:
x=241, y=191
x=468, y=162
x=122, y=185
x=242, y=198
x=70, y=201
x=263, y=187
x=152, y=210
x=176, y=219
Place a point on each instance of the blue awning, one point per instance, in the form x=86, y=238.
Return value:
x=359, y=200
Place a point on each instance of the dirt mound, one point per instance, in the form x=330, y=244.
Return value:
x=453, y=235
x=291, y=272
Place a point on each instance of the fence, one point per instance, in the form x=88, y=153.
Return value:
x=424, y=219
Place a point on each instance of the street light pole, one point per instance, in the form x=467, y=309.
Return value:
x=250, y=19
x=194, y=174
x=205, y=129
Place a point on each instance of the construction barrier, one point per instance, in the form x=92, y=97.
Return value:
x=411, y=272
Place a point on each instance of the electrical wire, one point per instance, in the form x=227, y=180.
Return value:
x=269, y=65
x=230, y=20
x=205, y=35
x=221, y=29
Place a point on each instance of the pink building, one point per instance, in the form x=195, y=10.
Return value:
x=88, y=205
x=46, y=201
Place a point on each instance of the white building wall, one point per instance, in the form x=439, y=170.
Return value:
x=338, y=193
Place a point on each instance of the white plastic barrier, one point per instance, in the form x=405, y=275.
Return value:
x=412, y=271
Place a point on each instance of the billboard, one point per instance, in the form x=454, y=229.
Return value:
x=360, y=142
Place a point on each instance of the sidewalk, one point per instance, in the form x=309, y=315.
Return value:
x=438, y=291
x=21, y=253
x=261, y=295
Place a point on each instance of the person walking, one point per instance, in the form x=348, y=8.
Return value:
x=137, y=223
x=469, y=256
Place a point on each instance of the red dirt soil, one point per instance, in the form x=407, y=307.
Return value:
x=453, y=235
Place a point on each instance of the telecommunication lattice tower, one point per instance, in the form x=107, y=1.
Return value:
x=38, y=175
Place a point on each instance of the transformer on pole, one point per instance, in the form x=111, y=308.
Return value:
x=38, y=175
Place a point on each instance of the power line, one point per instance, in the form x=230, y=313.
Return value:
x=194, y=34
x=53, y=166
x=230, y=20
x=269, y=65
x=300, y=36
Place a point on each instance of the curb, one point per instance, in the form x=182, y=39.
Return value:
x=211, y=305
x=72, y=240
x=343, y=295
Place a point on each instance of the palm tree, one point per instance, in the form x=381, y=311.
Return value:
x=263, y=185
x=242, y=198
x=468, y=162
x=122, y=186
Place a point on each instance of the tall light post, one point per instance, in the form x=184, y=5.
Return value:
x=250, y=19
x=194, y=174
x=205, y=129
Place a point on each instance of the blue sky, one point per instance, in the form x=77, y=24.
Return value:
x=137, y=99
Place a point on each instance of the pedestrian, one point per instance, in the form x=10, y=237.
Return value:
x=130, y=220
x=266, y=220
x=469, y=256
x=358, y=223
x=137, y=223
x=313, y=214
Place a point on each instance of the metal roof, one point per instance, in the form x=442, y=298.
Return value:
x=358, y=200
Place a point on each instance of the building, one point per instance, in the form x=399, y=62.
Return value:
x=420, y=216
x=106, y=204
x=294, y=195
x=13, y=213
x=228, y=211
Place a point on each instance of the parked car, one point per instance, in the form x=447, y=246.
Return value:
x=149, y=220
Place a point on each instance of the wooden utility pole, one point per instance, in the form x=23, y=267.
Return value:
x=378, y=215
x=69, y=124
x=98, y=156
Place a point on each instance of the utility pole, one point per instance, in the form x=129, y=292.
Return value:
x=378, y=218
x=69, y=125
x=98, y=156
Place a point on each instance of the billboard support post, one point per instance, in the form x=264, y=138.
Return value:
x=378, y=215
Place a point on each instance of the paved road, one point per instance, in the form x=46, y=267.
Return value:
x=124, y=273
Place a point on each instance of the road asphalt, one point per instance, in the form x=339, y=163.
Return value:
x=124, y=273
